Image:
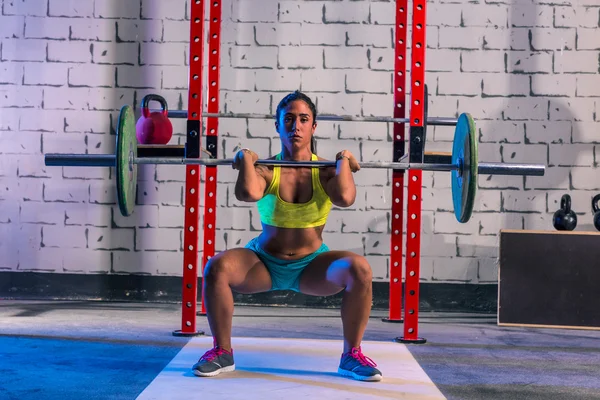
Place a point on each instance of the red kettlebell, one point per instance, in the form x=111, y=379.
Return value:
x=154, y=127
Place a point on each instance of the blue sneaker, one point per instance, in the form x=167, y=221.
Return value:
x=213, y=362
x=358, y=366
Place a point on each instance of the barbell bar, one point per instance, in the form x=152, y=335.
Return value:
x=464, y=166
x=441, y=121
x=109, y=160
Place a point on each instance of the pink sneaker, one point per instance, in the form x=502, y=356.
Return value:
x=213, y=362
x=358, y=366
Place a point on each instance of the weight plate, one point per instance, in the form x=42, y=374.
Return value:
x=126, y=169
x=464, y=179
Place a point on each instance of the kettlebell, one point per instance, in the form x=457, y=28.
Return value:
x=564, y=218
x=596, y=210
x=154, y=127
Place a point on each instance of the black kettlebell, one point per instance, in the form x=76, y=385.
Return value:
x=564, y=218
x=596, y=210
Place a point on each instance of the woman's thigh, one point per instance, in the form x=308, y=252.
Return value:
x=327, y=274
x=242, y=268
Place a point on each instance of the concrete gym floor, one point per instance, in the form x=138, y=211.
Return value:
x=98, y=350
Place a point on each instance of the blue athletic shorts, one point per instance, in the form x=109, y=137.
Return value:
x=285, y=274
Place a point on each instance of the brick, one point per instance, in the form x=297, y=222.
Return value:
x=384, y=13
x=483, y=61
x=436, y=200
x=586, y=132
x=47, y=74
x=242, y=102
x=292, y=57
x=477, y=246
x=505, y=85
x=64, y=237
x=553, y=39
x=87, y=215
x=442, y=61
x=491, y=223
x=26, y=7
x=100, y=99
x=526, y=108
x=500, y=131
x=22, y=189
x=254, y=57
x=586, y=17
x=21, y=143
x=568, y=155
x=336, y=104
x=86, y=261
x=346, y=58
x=487, y=201
x=139, y=77
x=267, y=34
x=469, y=86
x=294, y=11
x=177, y=31
x=365, y=131
x=370, y=35
x=115, y=53
x=528, y=62
x=11, y=73
x=172, y=217
x=378, y=82
x=576, y=109
x=445, y=222
x=519, y=40
x=494, y=38
x=87, y=75
x=158, y=239
x=41, y=121
x=487, y=15
x=488, y=270
x=585, y=178
x=439, y=14
x=459, y=269
x=323, y=35
x=23, y=50
x=80, y=8
x=553, y=85
x=29, y=260
x=524, y=201
x=119, y=10
x=529, y=153
x=144, y=216
x=461, y=38
x=74, y=52
x=160, y=54
x=278, y=81
x=93, y=29
x=587, y=85
x=576, y=61
x=140, y=31
x=247, y=11
x=380, y=60
x=565, y=17
x=11, y=26
x=524, y=14
x=32, y=212
x=587, y=39
x=20, y=97
x=547, y=132
x=176, y=77
x=46, y=28
x=110, y=239
x=342, y=12
x=482, y=108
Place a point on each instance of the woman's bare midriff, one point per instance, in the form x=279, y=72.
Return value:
x=290, y=243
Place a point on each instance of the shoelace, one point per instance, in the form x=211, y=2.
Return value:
x=357, y=354
x=212, y=354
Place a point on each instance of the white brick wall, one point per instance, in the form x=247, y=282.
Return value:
x=527, y=71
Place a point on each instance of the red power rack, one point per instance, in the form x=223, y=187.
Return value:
x=414, y=186
x=416, y=146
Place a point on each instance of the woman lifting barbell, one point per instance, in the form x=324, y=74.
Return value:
x=289, y=254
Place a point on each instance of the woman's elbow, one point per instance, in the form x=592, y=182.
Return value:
x=247, y=195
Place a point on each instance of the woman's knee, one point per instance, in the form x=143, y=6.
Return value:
x=359, y=269
x=217, y=269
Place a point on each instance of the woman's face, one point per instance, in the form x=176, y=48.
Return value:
x=296, y=125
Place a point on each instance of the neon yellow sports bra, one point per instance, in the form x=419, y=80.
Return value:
x=276, y=212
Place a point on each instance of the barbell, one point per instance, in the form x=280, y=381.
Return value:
x=464, y=166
